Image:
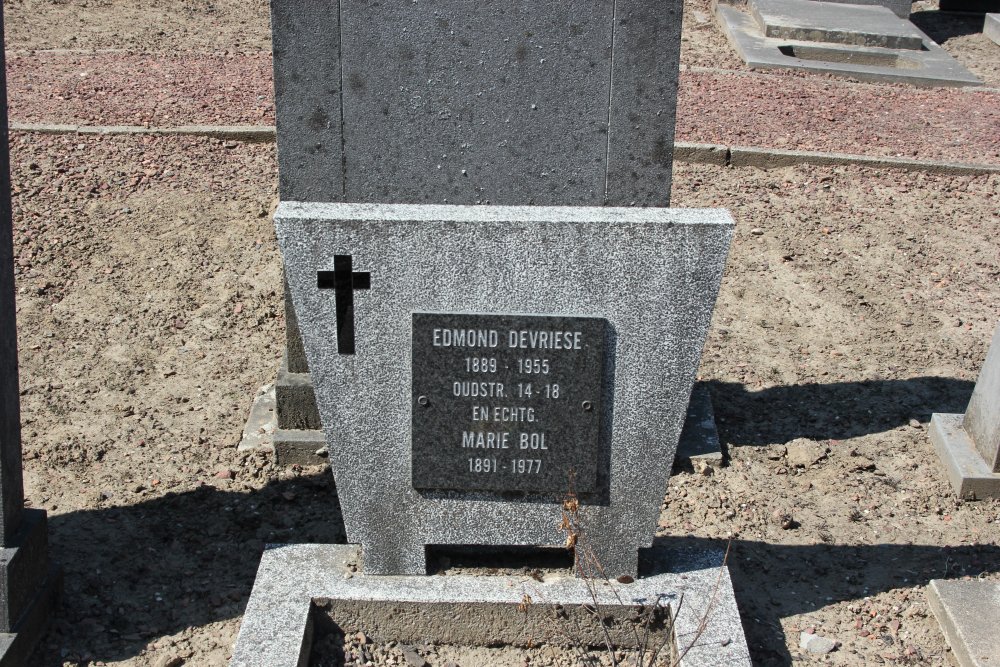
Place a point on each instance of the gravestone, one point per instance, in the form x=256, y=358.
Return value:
x=475, y=365
x=969, y=444
x=483, y=372
x=569, y=103
x=29, y=582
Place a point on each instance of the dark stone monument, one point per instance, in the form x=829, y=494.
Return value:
x=28, y=581
x=568, y=104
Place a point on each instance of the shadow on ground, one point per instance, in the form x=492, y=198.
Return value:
x=139, y=572
x=834, y=411
x=942, y=26
x=773, y=581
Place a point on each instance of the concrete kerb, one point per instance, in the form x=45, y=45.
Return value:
x=295, y=583
x=253, y=133
x=684, y=151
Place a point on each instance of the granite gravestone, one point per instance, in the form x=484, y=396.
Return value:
x=969, y=444
x=29, y=582
x=475, y=365
x=568, y=103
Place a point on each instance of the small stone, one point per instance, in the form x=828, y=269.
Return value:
x=776, y=452
x=816, y=644
x=803, y=452
x=361, y=638
x=756, y=231
x=225, y=473
x=413, y=659
x=703, y=466
x=784, y=519
x=169, y=661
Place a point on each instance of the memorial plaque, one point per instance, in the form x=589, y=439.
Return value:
x=506, y=402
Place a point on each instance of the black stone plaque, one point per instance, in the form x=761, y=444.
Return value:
x=506, y=402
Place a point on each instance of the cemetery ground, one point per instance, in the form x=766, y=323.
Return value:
x=856, y=302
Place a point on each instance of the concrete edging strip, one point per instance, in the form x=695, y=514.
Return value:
x=256, y=133
x=684, y=151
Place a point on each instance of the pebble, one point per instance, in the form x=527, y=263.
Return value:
x=169, y=661
x=816, y=644
x=413, y=658
x=803, y=452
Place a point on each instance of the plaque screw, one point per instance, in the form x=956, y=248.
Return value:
x=587, y=405
x=422, y=400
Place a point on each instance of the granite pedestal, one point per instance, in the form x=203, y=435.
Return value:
x=295, y=583
x=969, y=444
x=967, y=611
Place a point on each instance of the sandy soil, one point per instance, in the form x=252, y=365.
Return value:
x=856, y=302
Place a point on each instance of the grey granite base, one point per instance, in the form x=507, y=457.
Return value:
x=699, y=443
x=295, y=400
x=930, y=66
x=294, y=582
x=290, y=446
x=968, y=473
x=967, y=612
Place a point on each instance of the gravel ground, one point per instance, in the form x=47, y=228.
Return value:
x=855, y=303
x=742, y=108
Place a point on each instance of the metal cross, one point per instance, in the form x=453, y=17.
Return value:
x=344, y=280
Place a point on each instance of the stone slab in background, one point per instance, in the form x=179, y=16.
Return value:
x=931, y=66
x=828, y=22
x=276, y=630
x=900, y=8
x=653, y=274
x=967, y=611
x=991, y=28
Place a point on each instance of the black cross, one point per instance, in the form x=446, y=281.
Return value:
x=344, y=280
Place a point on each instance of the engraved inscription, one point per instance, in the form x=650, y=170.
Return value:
x=506, y=402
